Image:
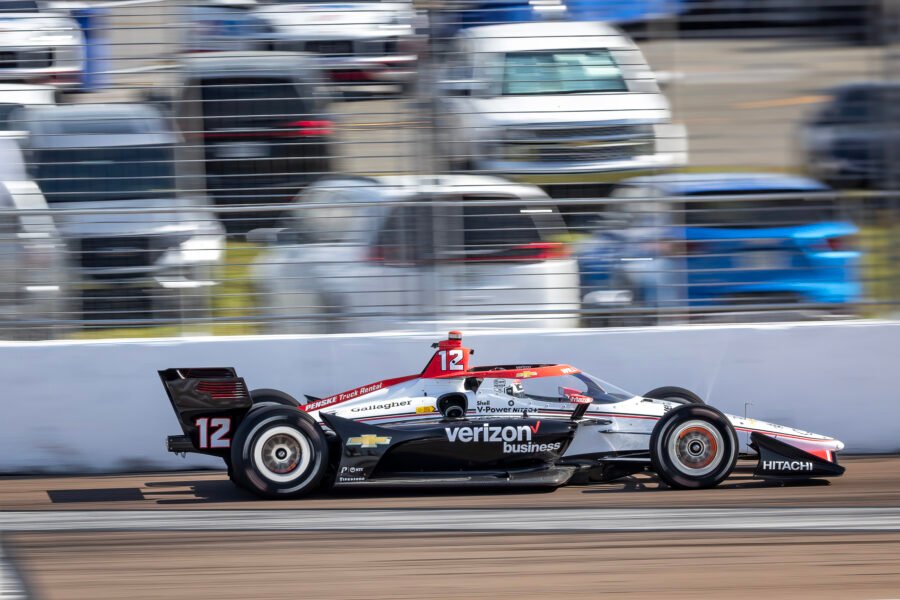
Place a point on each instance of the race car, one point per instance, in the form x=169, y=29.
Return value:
x=452, y=425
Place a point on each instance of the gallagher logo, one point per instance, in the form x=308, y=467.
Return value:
x=492, y=433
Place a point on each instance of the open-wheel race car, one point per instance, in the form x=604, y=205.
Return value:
x=452, y=425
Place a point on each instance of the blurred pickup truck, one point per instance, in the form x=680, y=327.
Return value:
x=139, y=249
x=40, y=45
x=554, y=98
x=359, y=42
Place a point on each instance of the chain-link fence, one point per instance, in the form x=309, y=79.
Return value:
x=213, y=167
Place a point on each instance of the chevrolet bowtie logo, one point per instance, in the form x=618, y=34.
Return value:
x=368, y=440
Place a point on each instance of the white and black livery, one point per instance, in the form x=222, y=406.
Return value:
x=452, y=425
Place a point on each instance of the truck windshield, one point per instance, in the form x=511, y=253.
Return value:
x=561, y=72
x=238, y=102
x=113, y=173
x=18, y=6
x=6, y=110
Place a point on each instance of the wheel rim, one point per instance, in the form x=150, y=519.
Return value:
x=696, y=448
x=282, y=454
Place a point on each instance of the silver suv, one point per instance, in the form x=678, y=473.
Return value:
x=372, y=254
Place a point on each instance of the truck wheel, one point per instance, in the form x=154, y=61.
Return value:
x=279, y=452
x=693, y=446
x=674, y=394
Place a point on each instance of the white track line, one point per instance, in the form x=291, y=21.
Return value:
x=787, y=519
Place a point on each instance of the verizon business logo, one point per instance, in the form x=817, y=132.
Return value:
x=492, y=433
x=516, y=439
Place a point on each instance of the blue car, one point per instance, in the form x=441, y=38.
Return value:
x=473, y=13
x=719, y=243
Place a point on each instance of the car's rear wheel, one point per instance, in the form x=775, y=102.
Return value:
x=268, y=396
x=279, y=452
x=674, y=394
x=693, y=446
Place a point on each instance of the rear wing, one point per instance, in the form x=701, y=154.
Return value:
x=209, y=403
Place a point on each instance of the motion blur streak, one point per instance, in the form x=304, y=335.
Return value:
x=11, y=585
x=481, y=519
x=459, y=565
x=869, y=482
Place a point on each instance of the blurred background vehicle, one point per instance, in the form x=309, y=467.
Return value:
x=38, y=45
x=17, y=95
x=33, y=270
x=559, y=97
x=854, y=138
x=473, y=13
x=574, y=96
x=257, y=127
x=365, y=254
x=152, y=258
x=728, y=245
x=360, y=42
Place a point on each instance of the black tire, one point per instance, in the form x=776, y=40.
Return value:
x=267, y=396
x=674, y=394
x=277, y=437
x=237, y=481
x=693, y=446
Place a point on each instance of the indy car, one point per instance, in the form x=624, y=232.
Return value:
x=454, y=425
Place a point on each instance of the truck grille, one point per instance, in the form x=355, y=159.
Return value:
x=566, y=153
x=585, y=144
x=330, y=47
x=26, y=59
x=127, y=252
x=597, y=132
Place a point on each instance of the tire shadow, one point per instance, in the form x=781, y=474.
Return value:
x=221, y=491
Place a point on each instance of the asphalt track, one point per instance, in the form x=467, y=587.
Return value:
x=869, y=482
x=193, y=535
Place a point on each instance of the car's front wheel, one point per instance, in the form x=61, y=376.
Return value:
x=279, y=452
x=693, y=446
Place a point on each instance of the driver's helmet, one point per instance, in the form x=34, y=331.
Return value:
x=515, y=388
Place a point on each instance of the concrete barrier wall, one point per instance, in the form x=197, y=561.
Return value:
x=99, y=406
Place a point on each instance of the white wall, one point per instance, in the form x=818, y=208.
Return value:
x=99, y=406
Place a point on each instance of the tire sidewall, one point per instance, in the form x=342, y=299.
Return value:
x=664, y=464
x=257, y=423
x=268, y=396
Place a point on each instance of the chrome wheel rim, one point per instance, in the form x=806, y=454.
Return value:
x=282, y=454
x=696, y=448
